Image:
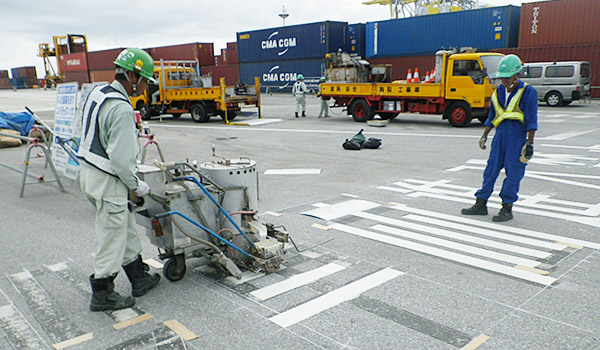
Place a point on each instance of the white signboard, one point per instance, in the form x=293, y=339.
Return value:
x=64, y=123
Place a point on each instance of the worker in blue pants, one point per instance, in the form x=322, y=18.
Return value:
x=513, y=113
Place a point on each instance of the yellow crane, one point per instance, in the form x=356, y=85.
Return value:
x=409, y=8
x=63, y=44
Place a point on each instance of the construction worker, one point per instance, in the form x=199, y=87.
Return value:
x=299, y=91
x=324, y=111
x=513, y=112
x=108, y=150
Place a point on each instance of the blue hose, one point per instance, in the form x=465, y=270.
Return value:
x=193, y=179
x=175, y=212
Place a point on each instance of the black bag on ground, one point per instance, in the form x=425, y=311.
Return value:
x=372, y=143
x=359, y=137
x=351, y=145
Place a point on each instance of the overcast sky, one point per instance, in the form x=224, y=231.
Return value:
x=135, y=23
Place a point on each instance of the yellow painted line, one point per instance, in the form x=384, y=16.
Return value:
x=321, y=227
x=350, y=195
x=154, y=263
x=272, y=213
x=570, y=245
x=532, y=269
x=132, y=321
x=77, y=340
x=475, y=343
x=397, y=204
x=181, y=330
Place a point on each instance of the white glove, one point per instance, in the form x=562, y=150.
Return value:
x=482, y=142
x=142, y=189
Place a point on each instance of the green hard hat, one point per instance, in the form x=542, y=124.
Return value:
x=137, y=60
x=508, y=66
x=300, y=77
x=323, y=79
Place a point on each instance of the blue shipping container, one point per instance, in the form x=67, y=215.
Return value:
x=279, y=76
x=483, y=29
x=303, y=41
x=356, y=39
x=14, y=73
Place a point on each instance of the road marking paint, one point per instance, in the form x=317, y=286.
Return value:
x=132, y=321
x=181, y=330
x=398, y=204
x=124, y=314
x=567, y=135
x=293, y=172
x=457, y=246
x=341, y=209
x=321, y=227
x=16, y=328
x=296, y=281
x=394, y=189
x=310, y=254
x=246, y=277
x=57, y=267
x=350, y=195
x=334, y=298
x=570, y=245
x=520, y=231
x=75, y=341
x=532, y=269
x=154, y=263
x=441, y=253
x=320, y=205
x=475, y=343
x=272, y=213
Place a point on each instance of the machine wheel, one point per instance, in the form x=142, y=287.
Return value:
x=176, y=115
x=144, y=111
x=554, y=99
x=389, y=115
x=170, y=270
x=458, y=114
x=361, y=111
x=230, y=115
x=199, y=114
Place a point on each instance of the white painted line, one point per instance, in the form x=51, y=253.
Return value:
x=321, y=227
x=393, y=189
x=516, y=230
x=334, y=298
x=154, y=263
x=350, y=195
x=272, y=213
x=457, y=236
x=75, y=341
x=246, y=276
x=567, y=135
x=341, y=209
x=57, y=267
x=457, y=246
x=293, y=172
x=296, y=281
x=310, y=254
x=124, y=314
x=441, y=253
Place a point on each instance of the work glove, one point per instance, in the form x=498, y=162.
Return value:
x=142, y=189
x=526, y=152
x=482, y=142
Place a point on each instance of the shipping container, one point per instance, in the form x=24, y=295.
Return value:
x=203, y=52
x=230, y=73
x=483, y=29
x=106, y=75
x=14, y=73
x=80, y=77
x=219, y=60
x=103, y=59
x=279, y=76
x=3, y=74
x=401, y=65
x=587, y=52
x=356, y=39
x=18, y=83
x=304, y=41
x=74, y=62
x=561, y=22
x=4, y=83
x=27, y=72
x=231, y=55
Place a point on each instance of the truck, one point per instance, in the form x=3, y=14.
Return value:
x=461, y=89
x=182, y=89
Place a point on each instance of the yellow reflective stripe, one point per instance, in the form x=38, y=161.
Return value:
x=509, y=113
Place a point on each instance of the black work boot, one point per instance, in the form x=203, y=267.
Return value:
x=303, y=114
x=296, y=114
x=479, y=208
x=141, y=281
x=504, y=214
x=105, y=298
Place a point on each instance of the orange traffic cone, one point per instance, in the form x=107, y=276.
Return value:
x=432, y=77
x=416, y=77
x=427, y=77
x=409, y=76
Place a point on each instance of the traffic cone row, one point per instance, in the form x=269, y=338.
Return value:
x=429, y=78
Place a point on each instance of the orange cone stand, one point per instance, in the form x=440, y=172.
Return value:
x=427, y=77
x=409, y=76
x=416, y=78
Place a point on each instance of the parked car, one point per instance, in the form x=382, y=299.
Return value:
x=559, y=83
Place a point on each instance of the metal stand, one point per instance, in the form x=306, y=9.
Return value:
x=150, y=140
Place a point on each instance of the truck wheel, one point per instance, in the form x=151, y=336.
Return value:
x=554, y=99
x=458, y=114
x=199, y=114
x=144, y=111
x=230, y=115
x=361, y=111
x=389, y=116
x=176, y=115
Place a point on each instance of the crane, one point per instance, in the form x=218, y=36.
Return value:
x=408, y=8
x=63, y=44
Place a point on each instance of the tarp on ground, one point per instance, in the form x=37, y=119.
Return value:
x=21, y=122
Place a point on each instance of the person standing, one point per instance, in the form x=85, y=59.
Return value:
x=324, y=111
x=108, y=150
x=299, y=91
x=513, y=113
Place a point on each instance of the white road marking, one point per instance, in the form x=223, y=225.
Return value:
x=293, y=172
x=334, y=298
x=296, y=281
x=566, y=135
x=338, y=210
x=441, y=253
x=17, y=326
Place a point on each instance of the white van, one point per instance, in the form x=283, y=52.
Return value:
x=558, y=83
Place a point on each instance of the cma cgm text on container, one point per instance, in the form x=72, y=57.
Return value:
x=279, y=76
x=304, y=41
x=483, y=29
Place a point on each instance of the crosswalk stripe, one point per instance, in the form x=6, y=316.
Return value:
x=457, y=246
x=296, y=281
x=18, y=330
x=333, y=298
x=516, y=230
x=458, y=236
x=460, y=258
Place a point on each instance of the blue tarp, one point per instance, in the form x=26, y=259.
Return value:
x=21, y=122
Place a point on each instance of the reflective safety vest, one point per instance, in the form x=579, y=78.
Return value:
x=299, y=88
x=512, y=111
x=91, y=149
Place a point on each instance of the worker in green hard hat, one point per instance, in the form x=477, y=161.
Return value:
x=513, y=113
x=108, y=153
x=299, y=90
x=324, y=111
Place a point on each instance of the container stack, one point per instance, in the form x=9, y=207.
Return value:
x=101, y=66
x=23, y=77
x=278, y=55
x=74, y=67
x=356, y=39
x=203, y=52
x=4, y=80
x=561, y=30
x=226, y=66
